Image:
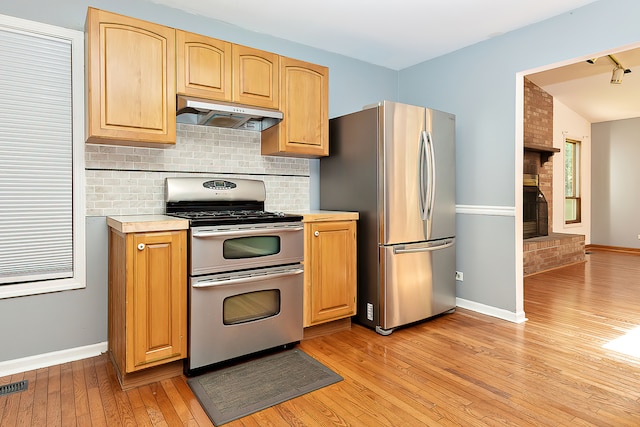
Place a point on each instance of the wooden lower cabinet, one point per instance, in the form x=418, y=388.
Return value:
x=147, y=304
x=330, y=271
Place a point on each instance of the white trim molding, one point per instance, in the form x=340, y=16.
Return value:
x=45, y=360
x=486, y=210
x=518, y=317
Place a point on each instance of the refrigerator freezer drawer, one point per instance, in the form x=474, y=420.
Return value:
x=417, y=282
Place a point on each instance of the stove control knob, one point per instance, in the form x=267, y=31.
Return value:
x=140, y=246
x=317, y=233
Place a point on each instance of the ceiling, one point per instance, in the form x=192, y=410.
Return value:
x=394, y=34
x=586, y=88
x=385, y=33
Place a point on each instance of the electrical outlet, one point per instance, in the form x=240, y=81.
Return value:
x=638, y=236
x=369, y=311
x=459, y=276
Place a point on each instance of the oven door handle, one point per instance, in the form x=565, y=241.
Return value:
x=245, y=232
x=247, y=279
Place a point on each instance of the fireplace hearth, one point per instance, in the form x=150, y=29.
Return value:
x=535, y=216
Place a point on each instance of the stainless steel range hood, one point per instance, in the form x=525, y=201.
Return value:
x=196, y=111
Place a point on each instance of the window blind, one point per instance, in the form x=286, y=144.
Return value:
x=36, y=158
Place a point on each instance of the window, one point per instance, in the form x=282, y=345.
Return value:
x=42, y=223
x=571, y=181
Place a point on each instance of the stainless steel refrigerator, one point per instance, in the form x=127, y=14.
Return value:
x=395, y=164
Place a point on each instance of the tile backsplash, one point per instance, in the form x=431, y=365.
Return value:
x=130, y=180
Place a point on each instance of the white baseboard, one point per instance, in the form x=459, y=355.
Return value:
x=38, y=361
x=491, y=311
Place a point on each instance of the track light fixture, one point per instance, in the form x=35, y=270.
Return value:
x=618, y=70
x=616, y=76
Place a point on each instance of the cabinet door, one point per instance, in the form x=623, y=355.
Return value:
x=203, y=67
x=156, y=299
x=330, y=271
x=131, y=81
x=255, y=77
x=304, y=131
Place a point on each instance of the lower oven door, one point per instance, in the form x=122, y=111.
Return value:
x=242, y=246
x=239, y=313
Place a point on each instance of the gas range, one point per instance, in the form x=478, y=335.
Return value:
x=228, y=217
x=245, y=271
x=215, y=201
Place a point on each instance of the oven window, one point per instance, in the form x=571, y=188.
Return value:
x=250, y=247
x=250, y=306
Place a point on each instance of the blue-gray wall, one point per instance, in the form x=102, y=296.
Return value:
x=615, y=202
x=477, y=83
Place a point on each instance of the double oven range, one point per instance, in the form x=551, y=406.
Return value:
x=245, y=275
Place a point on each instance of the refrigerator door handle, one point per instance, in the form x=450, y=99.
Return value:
x=422, y=170
x=431, y=175
x=423, y=247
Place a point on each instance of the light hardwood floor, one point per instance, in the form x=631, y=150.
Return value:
x=459, y=369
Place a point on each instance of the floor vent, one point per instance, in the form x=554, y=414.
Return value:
x=14, y=387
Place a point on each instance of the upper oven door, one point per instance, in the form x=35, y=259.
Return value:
x=236, y=247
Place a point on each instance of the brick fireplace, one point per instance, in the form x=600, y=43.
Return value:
x=538, y=141
x=543, y=251
x=535, y=209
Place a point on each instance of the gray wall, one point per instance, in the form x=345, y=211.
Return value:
x=615, y=201
x=478, y=84
x=62, y=320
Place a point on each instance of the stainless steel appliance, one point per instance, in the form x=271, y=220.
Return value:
x=205, y=112
x=245, y=272
x=395, y=164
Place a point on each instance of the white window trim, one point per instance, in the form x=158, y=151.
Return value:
x=78, y=280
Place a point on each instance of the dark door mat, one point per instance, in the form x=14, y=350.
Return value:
x=236, y=391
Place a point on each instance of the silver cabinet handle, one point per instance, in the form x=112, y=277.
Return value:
x=140, y=246
x=317, y=233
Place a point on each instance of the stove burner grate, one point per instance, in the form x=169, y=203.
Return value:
x=246, y=214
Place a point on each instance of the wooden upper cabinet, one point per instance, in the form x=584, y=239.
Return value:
x=131, y=81
x=135, y=68
x=203, y=67
x=215, y=69
x=255, y=77
x=304, y=94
